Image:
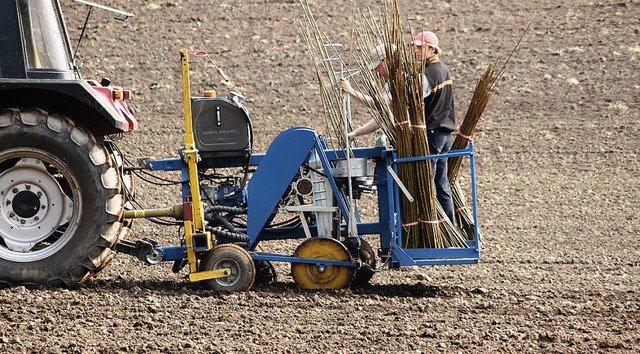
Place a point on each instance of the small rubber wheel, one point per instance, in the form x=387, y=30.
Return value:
x=243, y=271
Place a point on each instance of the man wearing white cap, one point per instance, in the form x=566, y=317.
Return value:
x=377, y=64
x=439, y=113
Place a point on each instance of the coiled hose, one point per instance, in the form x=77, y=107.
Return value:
x=224, y=209
x=219, y=220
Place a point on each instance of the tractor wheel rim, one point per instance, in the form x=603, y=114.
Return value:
x=37, y=217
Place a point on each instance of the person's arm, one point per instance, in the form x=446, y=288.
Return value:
x=369, y=127
x=366, y=100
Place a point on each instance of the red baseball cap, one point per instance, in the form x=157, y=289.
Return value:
x=428, y=38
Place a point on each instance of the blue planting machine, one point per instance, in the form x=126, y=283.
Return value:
x=299, y=189
x=65, y=201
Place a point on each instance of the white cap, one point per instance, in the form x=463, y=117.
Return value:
x=378, y=54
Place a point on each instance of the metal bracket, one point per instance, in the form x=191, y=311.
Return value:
x=144, y=249
x=210, y=274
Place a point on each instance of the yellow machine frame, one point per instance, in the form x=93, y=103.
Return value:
x=195, y=226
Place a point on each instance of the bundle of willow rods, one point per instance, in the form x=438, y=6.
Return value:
x=330, y=67
x=404, y=109
x=485, y=88
x=368, y=82
x=424, y=221
x=481, y=95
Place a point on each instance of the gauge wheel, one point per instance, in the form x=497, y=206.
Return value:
x=239, y=262
x=312, y=276
x=265, y=273
x=60, y=200
x=368, y=258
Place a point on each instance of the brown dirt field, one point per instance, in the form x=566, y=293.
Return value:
x=557, y=160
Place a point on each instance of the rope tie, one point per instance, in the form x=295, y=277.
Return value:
x=405, y=226
x=432, y=221
x=464, y=136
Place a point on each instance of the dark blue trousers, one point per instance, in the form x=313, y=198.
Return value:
x=439, y=143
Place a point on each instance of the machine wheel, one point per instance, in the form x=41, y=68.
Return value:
x=265, y=273
x=310, y=276
x=60, y=200
x=368, y=258
x=243, y=271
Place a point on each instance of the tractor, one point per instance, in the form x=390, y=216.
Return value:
x=61, y=190
x=65, y=186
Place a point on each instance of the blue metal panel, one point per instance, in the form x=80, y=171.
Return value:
x=176, y=164
x=433, y=256
x=274, y=175
x=166, y=165
x=441, y=253
x=368, y=153
x=452, y=153
x=386, y=202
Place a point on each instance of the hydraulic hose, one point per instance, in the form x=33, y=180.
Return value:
x=232, y=236
x=224, y=209
x=219, y=220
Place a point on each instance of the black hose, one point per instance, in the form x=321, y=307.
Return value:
x=232, y=236
x=220, y=220
x=224, y=209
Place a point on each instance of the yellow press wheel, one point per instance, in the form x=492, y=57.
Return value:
x=312, y=276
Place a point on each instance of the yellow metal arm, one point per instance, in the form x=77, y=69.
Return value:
x=196, y=226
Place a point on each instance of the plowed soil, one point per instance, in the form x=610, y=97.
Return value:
x=557, y=161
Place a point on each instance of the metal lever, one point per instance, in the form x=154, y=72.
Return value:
x=400, y=184
x=125, y=15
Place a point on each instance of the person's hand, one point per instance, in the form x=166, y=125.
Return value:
x=345, y=85
x=351, y=136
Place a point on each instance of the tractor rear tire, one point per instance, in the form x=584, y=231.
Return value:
x=60, y=200
x=128, y=191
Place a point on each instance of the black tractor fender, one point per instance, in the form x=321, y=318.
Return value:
x=100, y=109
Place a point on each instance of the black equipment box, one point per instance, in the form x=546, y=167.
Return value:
x=221, y=128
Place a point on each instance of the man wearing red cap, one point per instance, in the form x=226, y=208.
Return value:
x=439, y=112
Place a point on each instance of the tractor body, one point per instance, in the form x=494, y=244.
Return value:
x=36, y=70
